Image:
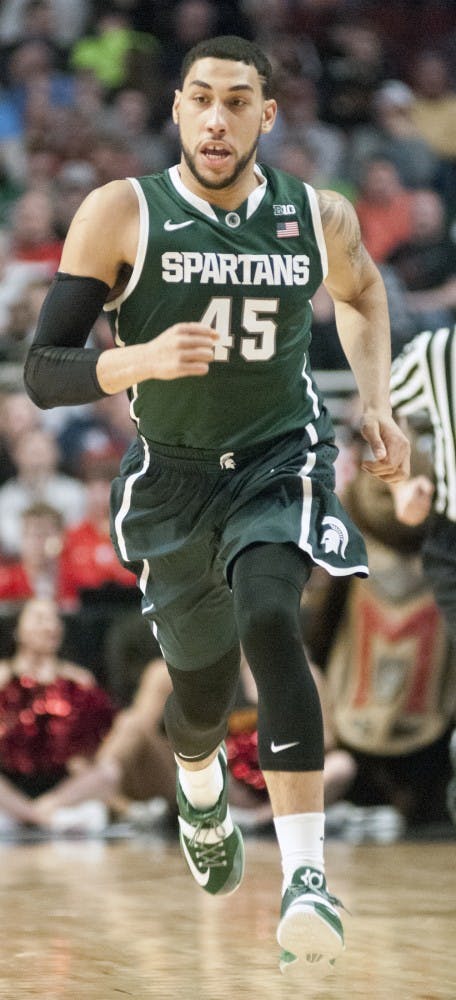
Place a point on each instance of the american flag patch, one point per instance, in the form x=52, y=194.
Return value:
x=285, y=229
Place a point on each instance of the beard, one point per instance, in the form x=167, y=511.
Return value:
x=238, y=168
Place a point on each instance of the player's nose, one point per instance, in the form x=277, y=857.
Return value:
x=216, y=121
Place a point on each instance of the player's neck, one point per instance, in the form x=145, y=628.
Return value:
x=230, y=197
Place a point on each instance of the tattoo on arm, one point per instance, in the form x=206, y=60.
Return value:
x=339, y=219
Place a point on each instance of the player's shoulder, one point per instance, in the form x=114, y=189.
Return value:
x=121, y=196
x=338, y=217
x=333, y=202
x=111, y=208
x=118, y=195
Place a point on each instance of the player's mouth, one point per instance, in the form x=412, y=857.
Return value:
x=214, y=154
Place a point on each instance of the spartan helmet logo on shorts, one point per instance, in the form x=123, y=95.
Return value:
x=227, y=460
x=335, y=537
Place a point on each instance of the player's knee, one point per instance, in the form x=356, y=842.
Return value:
x=194, y=731
x=203, y=699
x=263, y=622
x=203, y=715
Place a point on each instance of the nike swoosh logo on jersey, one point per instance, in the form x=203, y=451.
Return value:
x=169, y=225
x=277, y=747
x=201, y=877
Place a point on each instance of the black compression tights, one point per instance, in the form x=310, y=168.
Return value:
x=196, y=713
x=268, y=580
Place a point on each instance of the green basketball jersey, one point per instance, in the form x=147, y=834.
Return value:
x=250, y=274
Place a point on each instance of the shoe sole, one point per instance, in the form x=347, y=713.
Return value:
x=305, y=934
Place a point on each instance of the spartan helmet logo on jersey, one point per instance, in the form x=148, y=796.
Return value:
x=335, y=537
x=227, y=460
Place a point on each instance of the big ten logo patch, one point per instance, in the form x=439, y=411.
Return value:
x=284, y=209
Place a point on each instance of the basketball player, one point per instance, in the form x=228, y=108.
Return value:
x=226, y=499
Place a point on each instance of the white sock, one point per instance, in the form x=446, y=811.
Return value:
x=301, y=840
x=201, y=788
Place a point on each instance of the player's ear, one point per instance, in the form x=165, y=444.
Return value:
x=176, y=103
x=269, y=115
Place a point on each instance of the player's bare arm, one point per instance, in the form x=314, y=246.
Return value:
x=103, y=236
x=180, y=351
x=97, y=260
x=102, y=243
x=361, y=312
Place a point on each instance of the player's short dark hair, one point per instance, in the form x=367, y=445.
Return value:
x=235, y=48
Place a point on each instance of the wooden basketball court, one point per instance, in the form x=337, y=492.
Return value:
x=100, y=920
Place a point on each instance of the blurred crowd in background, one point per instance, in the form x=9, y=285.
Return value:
x=367, y=106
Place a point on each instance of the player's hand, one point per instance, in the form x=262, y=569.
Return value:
x=182, y=350
x=390, y=447
x=413, y=500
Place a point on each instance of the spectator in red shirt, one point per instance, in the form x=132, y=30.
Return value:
x=89, y=559
x=33, y=235
x=384, y=209
x=39, y=571
x=77, y=568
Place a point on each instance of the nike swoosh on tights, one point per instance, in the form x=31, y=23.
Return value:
x=277, y=747
x=201, y=877
x=169, y=225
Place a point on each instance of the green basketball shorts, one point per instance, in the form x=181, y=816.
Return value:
x=180, y=523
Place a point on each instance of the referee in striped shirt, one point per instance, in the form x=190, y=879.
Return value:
x=423, y=378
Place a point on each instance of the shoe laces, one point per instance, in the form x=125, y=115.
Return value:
x=211, y=855
x=298, y=888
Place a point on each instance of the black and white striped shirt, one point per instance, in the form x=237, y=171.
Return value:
x=423, y=378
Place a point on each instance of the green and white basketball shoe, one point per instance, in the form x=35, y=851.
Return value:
x=310, y=931
x=212, y=846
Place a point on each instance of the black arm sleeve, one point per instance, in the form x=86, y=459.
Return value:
x=59, y=369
